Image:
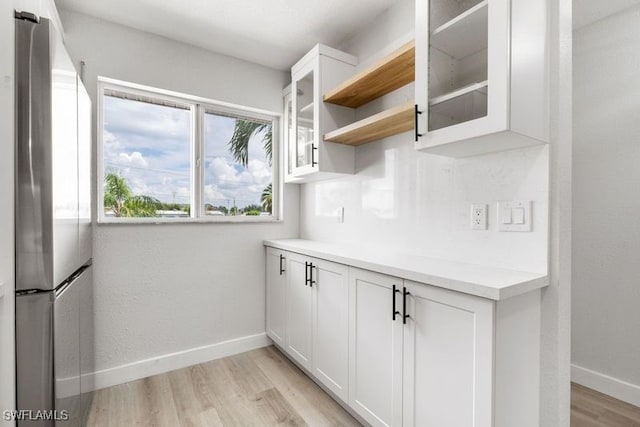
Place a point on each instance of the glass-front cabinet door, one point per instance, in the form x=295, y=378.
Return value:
x=288, y=135
x=305, y=127
x=308, y=156
x=479, y=72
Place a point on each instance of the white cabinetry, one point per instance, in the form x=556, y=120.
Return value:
x=299, y=309
x=375, y=348
x=316, y=73
x=481, y=75
x=447, y=362
x=403, y=353
x=420, y=355
x=317, y=295
x=330, y=325
x=276, y=295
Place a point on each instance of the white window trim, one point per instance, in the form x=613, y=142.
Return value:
x=198, y=107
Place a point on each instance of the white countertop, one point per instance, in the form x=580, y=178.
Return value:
x=487, y=282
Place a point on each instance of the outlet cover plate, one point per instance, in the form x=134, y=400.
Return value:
x=515, y=216
x=478, y=217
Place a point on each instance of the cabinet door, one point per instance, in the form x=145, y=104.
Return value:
x=331, y=325
x=299, y=309
x=305, y=116
x=462, y=69
x=375, y=348
x=448, y=364
x=276, y=295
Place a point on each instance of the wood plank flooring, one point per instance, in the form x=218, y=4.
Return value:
x=592, y=409
x=263, y=388
x=257, y=388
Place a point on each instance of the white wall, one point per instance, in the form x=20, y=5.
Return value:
x=7, y=318
x=420, y=203
x=163, y=289
x=606, y=230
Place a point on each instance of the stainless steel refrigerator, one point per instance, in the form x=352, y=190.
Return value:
x=54, y=296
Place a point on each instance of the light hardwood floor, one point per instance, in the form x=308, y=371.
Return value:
x=257, y=388
x=592, y=409
x=263, y=388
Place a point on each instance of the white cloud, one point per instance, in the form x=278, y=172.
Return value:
x=134, y=159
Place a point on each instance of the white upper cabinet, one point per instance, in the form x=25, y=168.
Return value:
x=312, y=158
x=481, y=75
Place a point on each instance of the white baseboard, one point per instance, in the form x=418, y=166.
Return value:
x=613, y=387
x=170, y=362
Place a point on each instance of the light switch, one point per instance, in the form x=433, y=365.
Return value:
x=518, y=215
x=506, y=216
x=515, y=216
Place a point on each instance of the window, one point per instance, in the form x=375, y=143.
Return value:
x=168, y=157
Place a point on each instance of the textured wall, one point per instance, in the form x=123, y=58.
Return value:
x=606, y=230
x=169, y=288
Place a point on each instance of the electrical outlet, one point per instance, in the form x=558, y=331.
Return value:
x=478, y=217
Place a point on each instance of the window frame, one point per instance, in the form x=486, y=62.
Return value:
x=198, y=107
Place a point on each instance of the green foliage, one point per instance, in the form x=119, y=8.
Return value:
x=242, y=133
x=252, y=208
x=267, y=198
x=252, y=212
x=118, y=198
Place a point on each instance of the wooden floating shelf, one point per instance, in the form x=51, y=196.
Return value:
x=387, y=123
x=388, y=74
x=465, y=34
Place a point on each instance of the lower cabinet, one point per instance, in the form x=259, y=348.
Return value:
x=420, y=355
x=317, y=334
x=447, y=358
x=375, y=347
x=276, y=295
x=299, y=310
x=400, y=353
x=331, y=325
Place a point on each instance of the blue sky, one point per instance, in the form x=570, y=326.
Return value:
x=149, y=145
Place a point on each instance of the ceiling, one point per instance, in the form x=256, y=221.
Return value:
x=587, y=12
x=275, y=33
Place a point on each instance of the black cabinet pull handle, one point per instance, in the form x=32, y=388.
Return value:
x=405, y=292
x=313, y=154
x=311, y=281
x=306, y=273
x=393, y=298
x=416, y=113
x=281, y=259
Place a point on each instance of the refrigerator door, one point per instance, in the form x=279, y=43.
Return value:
x=34, y=237
x=66, y=352
x=54, y=337
x=84, y=172
x=64, y=145
x=87, y=343
x=34, y=350
x=47, y=240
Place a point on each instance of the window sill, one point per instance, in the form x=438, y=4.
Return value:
x=163, y=221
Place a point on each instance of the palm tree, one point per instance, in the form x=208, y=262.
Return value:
x=242, y=133
x=118, y=198
x=239, y=147
x=266, y=198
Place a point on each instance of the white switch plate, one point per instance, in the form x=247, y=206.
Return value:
x=478, y=217
x=515, y=216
